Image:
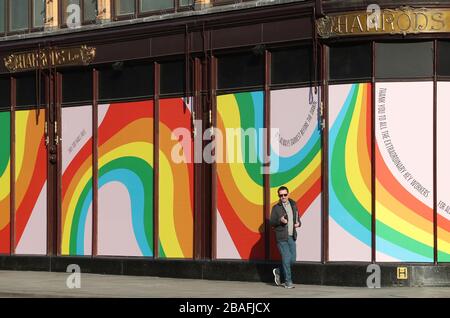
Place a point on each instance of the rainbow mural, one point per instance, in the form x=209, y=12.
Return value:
x=296, y=163
x=176, y=179
x=404, y=172
x=350, y=191
x=31, y=183
x=76, y=212
x=240, y=222
x=125, y=179
x=5, y=175
x=443, y=172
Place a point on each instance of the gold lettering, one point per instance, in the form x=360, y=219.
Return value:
x=356, y=25
x=28, y=61
x=69, y=56
x=21, y=64
x=56, y=59
x=373, y=22
x=402, y=20
x=334, y=25
x=44, y=59
x=342, y=24
x=59, y=57
x=406, y=24
x=420, y=26
x=49, y=57
x=439, y=19
x=31, y=59
x=63, y=57
x=388, y=18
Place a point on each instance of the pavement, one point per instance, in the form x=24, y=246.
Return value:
x=49, y=284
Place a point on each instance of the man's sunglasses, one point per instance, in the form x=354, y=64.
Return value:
x=283, y=195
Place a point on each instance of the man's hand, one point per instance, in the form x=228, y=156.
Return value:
x=297, y=224
x=283, y=220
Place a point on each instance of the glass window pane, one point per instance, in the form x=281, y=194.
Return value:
x=5, y=93
x=26, y=89
x=69, y=12
x=404, y=60
x=124, y=7
x=172, y=77
x=126, y=80
x=90, y=10
x=38, y=13
x=240, y=70
x=19, y=14
x=152, y=5
x=443, y=60
x=292, y=65
x=186, y=2
x=351, y=61
x=2, y=16
x=77, y=86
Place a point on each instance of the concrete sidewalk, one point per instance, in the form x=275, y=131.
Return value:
x=45, y=284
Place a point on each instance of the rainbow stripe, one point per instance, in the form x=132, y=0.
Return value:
x=397, y=210
x=240, y=184
x=176, y=180
x=76, y=180
x=126, y=157
x=300, y=171
x=5, y=175
x=443, y=172
x=404, y=219
x=349, y=171
x=31, y=176
x=443, y=238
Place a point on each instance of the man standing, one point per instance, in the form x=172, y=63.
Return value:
x=285, y=221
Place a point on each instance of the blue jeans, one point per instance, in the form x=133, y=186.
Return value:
x=288, y=256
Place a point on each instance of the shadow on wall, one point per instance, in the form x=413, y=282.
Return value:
x=262, y=269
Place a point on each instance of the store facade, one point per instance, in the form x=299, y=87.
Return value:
x=157, y=147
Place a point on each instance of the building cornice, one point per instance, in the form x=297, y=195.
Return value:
x=103, y=24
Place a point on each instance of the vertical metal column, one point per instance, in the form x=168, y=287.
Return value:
x=95, y=162
x=58, y=183
x=325, y=198
x=373, y=166
x=266, y=151
x=52, y=159
x=156, y=162
x=13, y=167
x=435, y=187
x=213, y=121
x=199, y=222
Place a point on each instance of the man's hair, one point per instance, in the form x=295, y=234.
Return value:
x=282, y=188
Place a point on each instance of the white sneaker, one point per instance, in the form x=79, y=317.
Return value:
x=289, y=286
x=276, y=276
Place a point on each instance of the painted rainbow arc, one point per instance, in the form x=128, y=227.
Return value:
x=176, y=179
x=240, y=184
